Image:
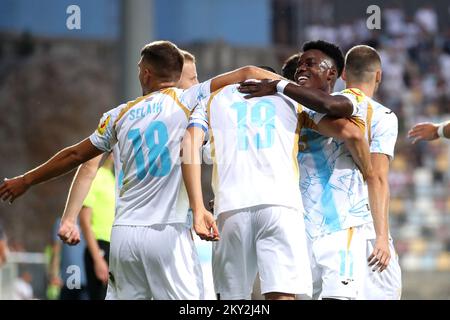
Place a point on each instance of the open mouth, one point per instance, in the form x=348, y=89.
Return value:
x=302, y=79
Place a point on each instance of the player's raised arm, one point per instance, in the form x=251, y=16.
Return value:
x=314, y=99
x=62, y=162
x=318, y=68
x=242, y=74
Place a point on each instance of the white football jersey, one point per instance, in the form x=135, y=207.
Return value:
x=254, y=145
x=334, y=192
x=383, y=129
x=147, y=133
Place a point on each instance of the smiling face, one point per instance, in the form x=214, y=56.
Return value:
x=316, y=70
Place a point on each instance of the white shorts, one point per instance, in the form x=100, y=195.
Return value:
x=156, y=262
x=340, y=268
x=386, y=285
x=338, y=263
x=268, y=239
x=204, y=251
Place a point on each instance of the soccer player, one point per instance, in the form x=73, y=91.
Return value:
x=383, y=279
x=88, y=170
x=333, y=189
x=255, y=181
x=189, y=73
x=428, y=131
x=86, y=173
x=152, y=253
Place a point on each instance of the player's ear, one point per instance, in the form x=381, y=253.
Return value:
x=148, y=75
x=344, y=75
x=332, y=74
x=378, y=76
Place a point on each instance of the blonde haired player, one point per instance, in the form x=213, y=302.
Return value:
x=87, y=171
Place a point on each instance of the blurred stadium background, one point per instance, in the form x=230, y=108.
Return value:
x=55, y=83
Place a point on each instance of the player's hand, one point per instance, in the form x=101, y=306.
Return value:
x=205, y=226
x=101, y=270
x=13, y=188
x=258, y=89
x=68, y=232
x=381, y=255
x=423, y=131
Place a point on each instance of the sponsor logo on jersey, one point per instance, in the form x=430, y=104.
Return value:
x=346, y=281
x=102, y=126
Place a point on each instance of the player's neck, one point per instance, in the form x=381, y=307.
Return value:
x=367, y=88
x=159, y=85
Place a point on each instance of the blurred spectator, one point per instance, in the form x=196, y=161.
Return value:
x=427, y=18
x=22, y=287
x=394, y=19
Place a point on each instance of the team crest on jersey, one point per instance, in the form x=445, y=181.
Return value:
x=102, y=126
x=355, y=92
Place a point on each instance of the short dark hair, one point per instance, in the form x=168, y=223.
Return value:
x=330, y=49
x=360, y=61
x=165, y=58
x=290, y=66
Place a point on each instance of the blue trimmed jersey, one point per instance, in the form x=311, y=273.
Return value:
x=254, y=146
x=147, y=133
x=334, y=192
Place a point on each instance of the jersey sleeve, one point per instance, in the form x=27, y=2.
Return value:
x=384, y=134
x=199, y=117
x=359, y=102
x=310, y=118
x=355, y=96
x=105, y=137
x=192, y=96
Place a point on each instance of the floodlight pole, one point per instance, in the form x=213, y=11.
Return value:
x=136, y=30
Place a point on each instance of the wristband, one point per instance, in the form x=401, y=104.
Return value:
x=281, y=85
x=440, y=130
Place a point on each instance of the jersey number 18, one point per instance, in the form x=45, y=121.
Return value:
x=156, y=137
